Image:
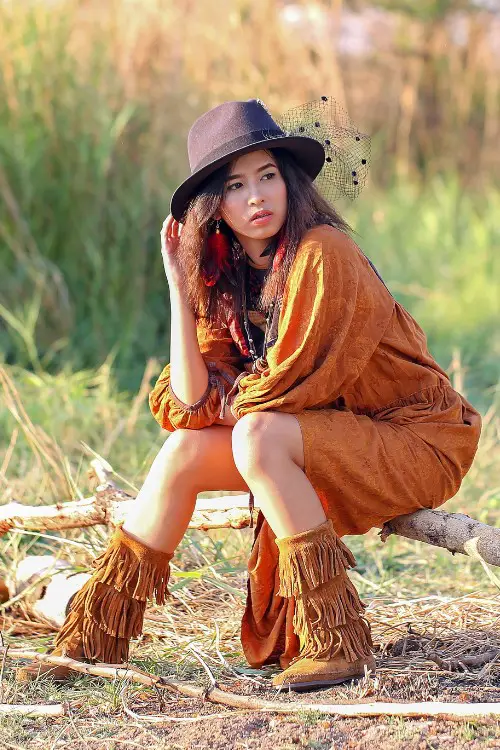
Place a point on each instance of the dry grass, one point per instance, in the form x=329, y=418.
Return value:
x=411, y=591
x=201, y=624
x=205, y=616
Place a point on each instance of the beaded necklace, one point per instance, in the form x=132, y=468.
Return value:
x=259, y=362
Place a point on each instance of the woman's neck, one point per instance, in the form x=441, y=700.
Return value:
x=263, y=258
x=262, y=266
x=258, y=253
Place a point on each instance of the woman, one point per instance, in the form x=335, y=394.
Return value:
x=294, y=376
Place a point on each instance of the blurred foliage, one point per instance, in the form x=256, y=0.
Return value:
x=95, y=104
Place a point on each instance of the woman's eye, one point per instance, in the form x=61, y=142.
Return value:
x=236, y=185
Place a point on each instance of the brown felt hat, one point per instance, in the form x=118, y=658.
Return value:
x=230, y=130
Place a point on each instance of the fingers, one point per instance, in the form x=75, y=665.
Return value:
x=165, y=231
x=171, y=229
x=178, y=228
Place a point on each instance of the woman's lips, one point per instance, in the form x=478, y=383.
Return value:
x=262, y=219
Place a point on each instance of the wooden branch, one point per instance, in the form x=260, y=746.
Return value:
x=462, y=663
x=109, y=506
x=436, y=709
x=101, y=471
x=451, y=531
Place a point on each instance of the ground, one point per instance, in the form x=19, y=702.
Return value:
x=197, y=634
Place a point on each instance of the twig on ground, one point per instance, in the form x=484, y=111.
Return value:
x=205, y=666
x=52, y=709
x=162, y=718
x=437, y=709
x=464, y=662
x=488, y=666
x=227, y=665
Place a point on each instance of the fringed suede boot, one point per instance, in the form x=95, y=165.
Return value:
x=109, y=609
x=335, y=640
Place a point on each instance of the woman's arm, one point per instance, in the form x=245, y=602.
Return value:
x=204, y=359
x=223, y=363
x=188, y=371
x=334, y=312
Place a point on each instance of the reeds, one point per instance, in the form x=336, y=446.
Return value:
x=95, y=103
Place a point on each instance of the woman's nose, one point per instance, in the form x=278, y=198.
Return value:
x=255, y=196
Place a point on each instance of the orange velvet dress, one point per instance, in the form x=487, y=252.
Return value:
x=384, y=432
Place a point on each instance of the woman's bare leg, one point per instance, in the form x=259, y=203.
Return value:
x=269, y=454
x=190, y=461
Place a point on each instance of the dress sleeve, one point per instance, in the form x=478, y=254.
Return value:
x=334, y=312
x=223, y=362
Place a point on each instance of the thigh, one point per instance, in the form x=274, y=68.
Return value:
x=214, y=467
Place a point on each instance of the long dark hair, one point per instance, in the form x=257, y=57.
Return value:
x=306, y=209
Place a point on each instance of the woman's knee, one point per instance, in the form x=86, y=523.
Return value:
x=185, y=451
x=254, y=439
x=261, y=438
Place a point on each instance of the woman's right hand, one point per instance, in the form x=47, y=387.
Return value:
x=170, y=237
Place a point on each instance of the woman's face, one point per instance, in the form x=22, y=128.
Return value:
x=254, y=184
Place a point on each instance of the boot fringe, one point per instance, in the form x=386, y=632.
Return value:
x=68, y=638
x=101, y=646
x=328, y=606
x=109, y=609
x=328, y=611
x=115, y=613
x=103, y=620
x=353, y=640
x=126, y=562
x=310, y=559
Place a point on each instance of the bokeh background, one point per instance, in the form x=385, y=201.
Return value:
x=95, y=103
x=96, y=99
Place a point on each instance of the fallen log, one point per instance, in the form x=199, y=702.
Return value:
x=109, y=506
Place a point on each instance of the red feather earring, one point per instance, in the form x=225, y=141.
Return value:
x=217, y=255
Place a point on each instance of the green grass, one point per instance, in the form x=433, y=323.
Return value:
x=89, y=157
x=438, y=251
